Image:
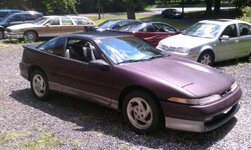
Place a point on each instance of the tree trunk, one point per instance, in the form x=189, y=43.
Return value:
x=131, y=13
x=209, y=4
x=217, y=6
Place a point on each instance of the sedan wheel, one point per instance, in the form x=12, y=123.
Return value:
x=30, y=36
x=142, y=113
x=206, y=58
x=39, y=85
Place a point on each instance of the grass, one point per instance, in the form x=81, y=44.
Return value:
x=12, y=136
x=32, y=140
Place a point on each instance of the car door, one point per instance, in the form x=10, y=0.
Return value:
x=16, y=19
x=69, y=27
x=148, y=34
x=80, y=78
x=163, y=31
x=244, y=45
x=50, y=28
x=224, y=48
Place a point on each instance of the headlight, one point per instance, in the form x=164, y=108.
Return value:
x=172, y=49
x=199, y=101
x=234, y=86
x=181, y=50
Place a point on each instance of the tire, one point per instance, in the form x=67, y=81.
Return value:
x=1, y=34
x=39, y=85
x=207, y=58
x=30, y=36
x=142, y=113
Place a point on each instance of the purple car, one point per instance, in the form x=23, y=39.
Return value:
x=153, y=90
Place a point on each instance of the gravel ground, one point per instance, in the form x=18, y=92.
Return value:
x=68, y=123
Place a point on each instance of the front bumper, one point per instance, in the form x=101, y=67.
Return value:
x=201, y=118
x=193, y=57
x=16, y=35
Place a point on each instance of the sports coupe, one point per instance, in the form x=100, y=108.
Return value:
x=153, y=90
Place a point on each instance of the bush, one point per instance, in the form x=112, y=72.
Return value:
x=246, y=14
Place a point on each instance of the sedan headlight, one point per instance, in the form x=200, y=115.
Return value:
x=199, y=101
x=172, y=49
x=181, y=50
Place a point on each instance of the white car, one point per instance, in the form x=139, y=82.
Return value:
x=210, y=41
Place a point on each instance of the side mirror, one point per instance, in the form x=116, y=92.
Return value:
x=99, y=63
x=224, y=37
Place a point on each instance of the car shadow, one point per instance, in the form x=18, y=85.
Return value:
x=232, y=62
x=93, y=117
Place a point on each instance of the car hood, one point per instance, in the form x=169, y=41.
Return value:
x=198, y=79
x=185, y=41
x=23, y=26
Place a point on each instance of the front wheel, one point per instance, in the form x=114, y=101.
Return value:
x=142, y=113
x=30, y=36
x=39, y=85
x=206, y=58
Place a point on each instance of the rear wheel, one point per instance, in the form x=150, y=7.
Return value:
x=142, y=113
x=30, y=36
x=206, y=58
x=39, y=85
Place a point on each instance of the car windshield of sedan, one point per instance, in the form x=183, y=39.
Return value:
x=204, y=30
x=128, y=49
x=40, y=20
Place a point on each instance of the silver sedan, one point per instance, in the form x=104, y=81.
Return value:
x=211, y=41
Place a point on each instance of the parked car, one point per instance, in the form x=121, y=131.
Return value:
x=211, y=41
x=151, y=32
x=3, y=14
x=18, y=18
x=120, y=71
x=118, y=24
x=171, y=13
x=49, y=26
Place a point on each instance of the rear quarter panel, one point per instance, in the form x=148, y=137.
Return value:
x=45, y=61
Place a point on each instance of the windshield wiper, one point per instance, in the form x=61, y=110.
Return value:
x=130, y=60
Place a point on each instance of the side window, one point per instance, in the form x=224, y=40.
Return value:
x=150, y=28
x=81, y=50
x=163, y=28
x=82, y=21
x=29, y=17
x=53, y=21
x=54, y=46
x=66, y=21
x=244, y=29
x=16, y=18
x=230, y=30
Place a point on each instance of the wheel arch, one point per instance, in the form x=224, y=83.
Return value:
x=32, y=31
x=32, y=68
x=129, y=89
x=206, y=49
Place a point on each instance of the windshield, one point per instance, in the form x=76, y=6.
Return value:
x=204, y=30
x=40, y=20
x=128, y=49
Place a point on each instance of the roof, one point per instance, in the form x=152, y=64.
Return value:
x=224, y=21
x=94, y=35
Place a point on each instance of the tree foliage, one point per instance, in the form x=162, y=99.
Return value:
x=246, y=11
